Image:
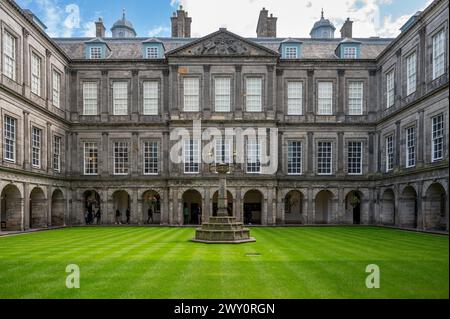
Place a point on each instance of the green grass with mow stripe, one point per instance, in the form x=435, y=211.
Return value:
x=294, y=262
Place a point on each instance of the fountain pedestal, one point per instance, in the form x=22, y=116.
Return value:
x=222, y=229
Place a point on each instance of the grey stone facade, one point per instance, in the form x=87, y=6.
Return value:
x=414, y=197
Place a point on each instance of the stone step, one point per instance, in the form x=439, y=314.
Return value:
x=222, y=235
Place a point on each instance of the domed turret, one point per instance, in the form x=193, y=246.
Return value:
x=322, y=29
x=123, y=28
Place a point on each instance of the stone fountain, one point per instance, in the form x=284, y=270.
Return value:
x=222, y=229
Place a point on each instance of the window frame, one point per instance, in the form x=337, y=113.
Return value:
x=194, y=153
x=440, y=57
x=390, y=88
x=152, y=158
x=95, y=55
x=411, y=73
x=195, y=96
x=353, y=55
x=321, y=99
x=253, y=167
x=330, y=158
x=410, y=149
x=291, y=55
x=299, y=99
x=438, y=139
x=92, y=99
x=296, y=161
x=89, y=165
x=389, y=152
x=219, y=93
x=36, y=146
x=257, y=97
x=120, y=97
x=56, y=91
x=152, y=98
x=6, y=33
x=350, y=98
x=56, y=152
x=7, y=136
x=361, y=157
x=36, y=79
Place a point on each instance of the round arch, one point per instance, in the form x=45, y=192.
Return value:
x=388, y=207
x=353, y=207
x=58, y=208
x=324, y=203
x=253, y=206
x=38, y=208
x=11, y=208
x=435, y=207
x=151, y=207
x=192, y=207
x=294, y=207
x=408, y=208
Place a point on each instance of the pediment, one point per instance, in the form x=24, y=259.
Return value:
x=222, y=43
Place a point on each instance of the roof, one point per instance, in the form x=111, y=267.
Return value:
x=131, y=48
x=123, y=23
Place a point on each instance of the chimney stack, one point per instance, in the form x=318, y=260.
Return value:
x=99, y=28
x=346, y=30
x=181, y=24
x=267, y=26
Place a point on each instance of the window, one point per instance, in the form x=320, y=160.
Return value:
x=295, y=98
x=354, y=158
x=223, y=150
x=350, y=53
x=120, y=98
x=410, y=146
x=95, y=52
x=56, y=89
x=253, y=155
x=36, y=137
x=35, y=74
x=222, y=90
x=90, y=158
x=438, y=54
x=191, y=94
x=355, y=98
x=324, y=158
x=191, y=155
x=294, y=157
x=56, y=153
x=437, y=137
x=9, y=138
x=291, y=53
x=253, y=94
x=9, y=55
x=152, y=53
x=150, y=157
x=390, y=89
x=325, y=100
x=151, y=97
x=411, y=74
x=121, y=163
x=389, y=153
x=90, y=98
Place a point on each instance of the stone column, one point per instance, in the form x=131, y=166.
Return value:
x=74, y=91
x=25, y=65
x=340, y=215
x=76, y=162
x=238, y=207
x=165, y=94
x=279, y=104
x=371, y=166
x=136, y=211
x=397, y=145
x=26, y=207
x=340, y=147
x=420, y=211
x=107, y=216
x=26, y=141
x=165, y=207
x=49, y=206
x=206, y=91
x=371, y=99
x=48, y=96
x=238, y=92
x=378, y=152
x=105, y=154
x=310, y=164
x=398, y=78
x=165, y=151
x=264, y=212
x=206, y=211
x=134, y=154
x=420, y=138
x=421, y=61
x=340, y=95
x=270, y=110
x=135, y=95
x=49, y=149
x=310, y=96
x=310, y=207
x=103, y=94
x=174, y=88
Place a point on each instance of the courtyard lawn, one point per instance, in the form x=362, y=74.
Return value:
x=301, y=262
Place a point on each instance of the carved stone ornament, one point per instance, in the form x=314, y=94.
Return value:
x=221, y=45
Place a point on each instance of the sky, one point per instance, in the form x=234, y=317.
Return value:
x=151, y=18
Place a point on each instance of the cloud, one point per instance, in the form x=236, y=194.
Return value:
x=89, y=29
x=158, y=31
x=208, y=18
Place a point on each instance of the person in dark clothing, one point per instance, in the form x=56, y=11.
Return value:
x=128, y=214
x=118, y=217
x=150, y=215
x=98, y=216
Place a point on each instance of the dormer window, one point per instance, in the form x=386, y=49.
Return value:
x=350, y=53
x=95, y=53
x=291, y=53
x=152, y=53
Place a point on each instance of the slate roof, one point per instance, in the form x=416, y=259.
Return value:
x=311, y=48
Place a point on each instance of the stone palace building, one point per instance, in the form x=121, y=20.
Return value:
x=362, y=123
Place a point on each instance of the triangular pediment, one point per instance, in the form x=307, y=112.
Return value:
x=222, y=43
